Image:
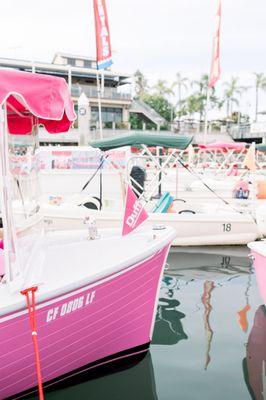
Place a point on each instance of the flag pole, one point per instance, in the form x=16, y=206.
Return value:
x=99, y=92
x=215, y=65
x=103, y=51
x=206, y=115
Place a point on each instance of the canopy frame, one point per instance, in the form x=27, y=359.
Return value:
x=170, y=160
x=9, y=236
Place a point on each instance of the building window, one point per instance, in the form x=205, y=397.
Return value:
x=87, y=63
x=109, y=114
x=71, y=61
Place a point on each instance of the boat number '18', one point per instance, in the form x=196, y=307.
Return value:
x=227, y=227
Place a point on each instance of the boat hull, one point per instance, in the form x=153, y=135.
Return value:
x=260, y=270
x=81, y=327
x=191, y=229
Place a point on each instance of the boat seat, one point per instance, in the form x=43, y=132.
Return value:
x=93, y=203
x=163, y=203
x=2, y=259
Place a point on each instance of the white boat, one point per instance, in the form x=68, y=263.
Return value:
x=66, y=170
x=192, y=229
x=72, y=300
x=208, y=224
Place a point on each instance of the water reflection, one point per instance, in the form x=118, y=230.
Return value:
x=168, y=326
x=132, y=383
x=214, y=296
x=206, y=301
x=217, y=262
x=242, y=314
x=254, y=365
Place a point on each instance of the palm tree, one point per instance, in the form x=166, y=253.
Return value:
x=162, y=89
x=260, y=84
x=201, y=93
x=141, y=83
x=202, y=84
x=231, y=94
x=181, y=83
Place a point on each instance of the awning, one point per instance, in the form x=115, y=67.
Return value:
x=223, y=145
x=34, y=99
x=137, y=139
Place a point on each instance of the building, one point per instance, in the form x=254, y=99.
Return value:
x=117, y=102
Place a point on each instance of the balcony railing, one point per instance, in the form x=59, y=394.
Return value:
x=92, y=93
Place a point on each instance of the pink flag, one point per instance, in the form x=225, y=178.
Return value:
x=134, y=213
x=103, y=43
x=215, y=67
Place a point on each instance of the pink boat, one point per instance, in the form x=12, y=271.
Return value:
x=259, y=254
x=254, y=365
x=95, y=293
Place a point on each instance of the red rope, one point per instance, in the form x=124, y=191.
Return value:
x=32, y=317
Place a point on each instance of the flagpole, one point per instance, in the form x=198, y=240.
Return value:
x=103, y=51
x=215, y=65
x=99, y=91
x=206, y=115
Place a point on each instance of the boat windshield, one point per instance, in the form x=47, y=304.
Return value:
x=21, y=202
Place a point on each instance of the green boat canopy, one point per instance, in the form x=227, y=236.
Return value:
x=261, y=147
x=137, y=139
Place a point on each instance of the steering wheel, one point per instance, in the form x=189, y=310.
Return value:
x=184, y=201
x=187, y=211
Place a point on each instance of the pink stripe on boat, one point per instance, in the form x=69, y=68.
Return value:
x=260, y=269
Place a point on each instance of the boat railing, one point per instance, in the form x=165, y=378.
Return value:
x=91, y=92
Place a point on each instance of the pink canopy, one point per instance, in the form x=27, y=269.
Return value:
x=35, y=99
x=223, y=145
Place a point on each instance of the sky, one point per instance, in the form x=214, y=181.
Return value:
x=159, y=37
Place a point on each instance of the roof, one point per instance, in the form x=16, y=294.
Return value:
x=62, y=70
x=74, y=56
x=137, y=139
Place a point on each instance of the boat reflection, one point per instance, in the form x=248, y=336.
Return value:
x=213, y=269
x=254, y=364
x=121, y=383
x=204, y=262
x=215, y=264
x=168, y=328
